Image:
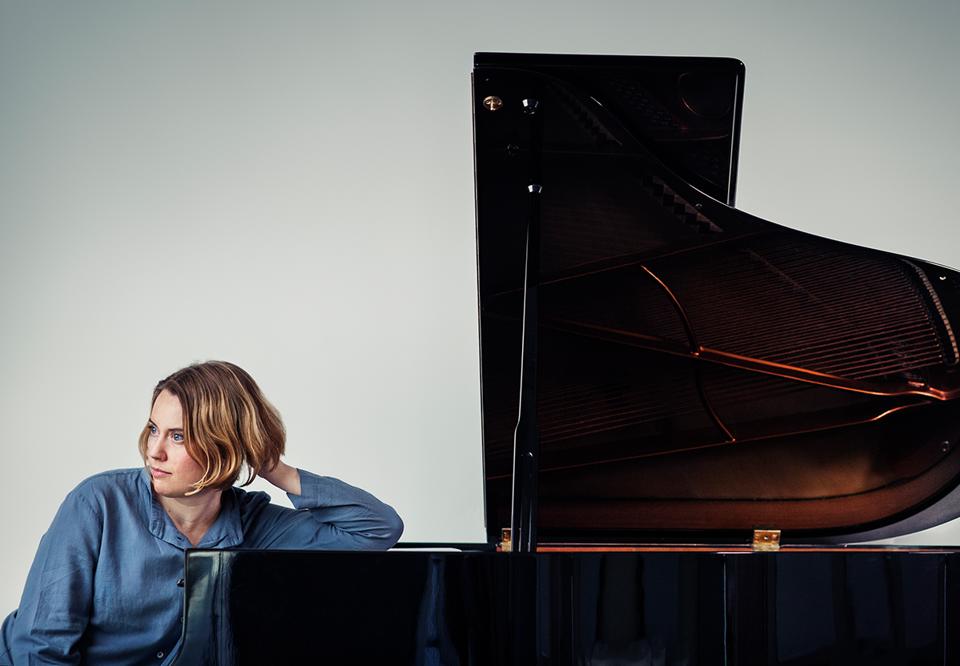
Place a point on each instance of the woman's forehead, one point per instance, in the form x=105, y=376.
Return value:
x=167, y=409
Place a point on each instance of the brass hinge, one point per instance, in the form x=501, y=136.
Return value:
x=506, y=545
x=766, y=540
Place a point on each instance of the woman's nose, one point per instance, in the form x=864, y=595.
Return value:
x=155, y=449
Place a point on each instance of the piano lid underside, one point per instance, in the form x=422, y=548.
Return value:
x=699, y=368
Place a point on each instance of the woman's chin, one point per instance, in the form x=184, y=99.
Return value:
x=164, y=490
x=165, y=486
x=172, y=489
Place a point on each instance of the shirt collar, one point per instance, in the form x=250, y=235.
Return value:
x=226, y=531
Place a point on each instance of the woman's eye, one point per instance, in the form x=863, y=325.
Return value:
x=177, y=437
x=153, y=429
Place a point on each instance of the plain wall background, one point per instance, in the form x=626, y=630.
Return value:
x=289, y=186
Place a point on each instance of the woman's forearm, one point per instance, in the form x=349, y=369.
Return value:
x=284, y=477
x=348, y=517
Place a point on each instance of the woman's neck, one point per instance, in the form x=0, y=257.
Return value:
x=193, y=515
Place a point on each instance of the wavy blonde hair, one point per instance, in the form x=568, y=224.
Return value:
x=227, y=423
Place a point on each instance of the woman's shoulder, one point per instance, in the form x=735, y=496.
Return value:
x=100, y=496
x=249, y=500
x=110, y=484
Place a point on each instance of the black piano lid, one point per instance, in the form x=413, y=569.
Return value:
x=700, y=372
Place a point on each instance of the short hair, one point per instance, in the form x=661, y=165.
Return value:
x=227, y=423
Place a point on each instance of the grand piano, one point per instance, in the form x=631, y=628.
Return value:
x=693, y=419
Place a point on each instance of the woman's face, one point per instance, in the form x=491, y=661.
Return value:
x=173, y=471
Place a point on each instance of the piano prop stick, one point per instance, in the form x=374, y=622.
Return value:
x=526, y=448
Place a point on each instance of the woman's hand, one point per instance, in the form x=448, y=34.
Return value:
x=284, y=477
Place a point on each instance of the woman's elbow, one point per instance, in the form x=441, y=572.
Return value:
x=394, y=526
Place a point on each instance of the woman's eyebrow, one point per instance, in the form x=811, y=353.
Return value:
x=150, y=422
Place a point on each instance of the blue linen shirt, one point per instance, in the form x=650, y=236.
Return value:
x=104, y=585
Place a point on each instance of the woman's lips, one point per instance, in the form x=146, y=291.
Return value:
x=158, y=473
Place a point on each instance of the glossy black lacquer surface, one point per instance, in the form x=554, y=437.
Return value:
x=698, y=369
x=664, y=608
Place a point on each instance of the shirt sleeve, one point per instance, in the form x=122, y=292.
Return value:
x=57, y=598
x=329, y=514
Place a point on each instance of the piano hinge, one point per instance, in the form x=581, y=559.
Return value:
x=506, y=545
x=766, y=540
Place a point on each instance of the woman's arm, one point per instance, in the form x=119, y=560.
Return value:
x=56, y=602
x=330, y=514
x=284, y=477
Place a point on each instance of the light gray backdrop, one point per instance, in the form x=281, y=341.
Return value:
x=288, y=185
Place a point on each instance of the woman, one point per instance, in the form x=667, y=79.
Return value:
x=105, y=585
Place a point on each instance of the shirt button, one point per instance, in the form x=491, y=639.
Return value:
x=160, y=655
